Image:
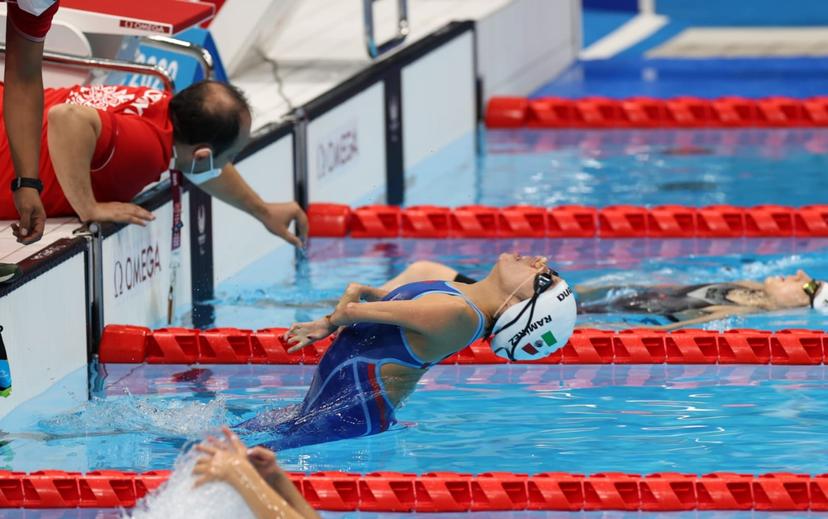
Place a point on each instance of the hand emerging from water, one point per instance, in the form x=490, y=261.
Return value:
x=302, y=334
x=223, y=460
x=264, y=461
x=227, y=461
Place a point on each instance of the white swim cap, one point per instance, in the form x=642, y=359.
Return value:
x=820, y=301
x=537, y=327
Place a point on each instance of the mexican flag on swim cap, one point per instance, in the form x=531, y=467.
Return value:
x=537, y=334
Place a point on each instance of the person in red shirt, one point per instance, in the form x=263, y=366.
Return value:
x=103, y=144
x=27, y=23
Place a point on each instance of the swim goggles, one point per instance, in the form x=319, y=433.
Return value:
x=811, y=288
x=543, y=281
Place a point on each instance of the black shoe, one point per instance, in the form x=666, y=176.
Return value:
x=8, y=271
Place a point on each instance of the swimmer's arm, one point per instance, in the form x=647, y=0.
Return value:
x=430, y=315
x=713, y=313
x=302, y=334
x=264, y=501
x=232, y=189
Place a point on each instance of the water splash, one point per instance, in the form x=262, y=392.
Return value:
x=179, y=498
x=129, y=414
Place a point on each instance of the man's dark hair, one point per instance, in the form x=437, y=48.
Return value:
x=208, y=112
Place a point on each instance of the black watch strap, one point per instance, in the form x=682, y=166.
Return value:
x=34, y=183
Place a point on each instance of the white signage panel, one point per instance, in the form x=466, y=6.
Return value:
x=346, y=151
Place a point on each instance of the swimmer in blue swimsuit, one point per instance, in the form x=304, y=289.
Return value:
x=388, y=340
x=679, y=304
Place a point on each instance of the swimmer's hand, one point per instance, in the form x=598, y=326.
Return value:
x=303, y=334
x=278, y=217
x=222, y=460
x=264, y=461
x=117, y=212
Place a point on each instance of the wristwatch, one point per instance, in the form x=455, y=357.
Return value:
x=34, y=183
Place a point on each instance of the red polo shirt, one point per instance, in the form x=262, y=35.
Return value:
x=26, y=16
x=133, y=149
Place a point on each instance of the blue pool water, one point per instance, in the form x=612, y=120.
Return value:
x=630, y=75
x=309, y=291
x=569, y=418
x=638, y=167
x=528, y=419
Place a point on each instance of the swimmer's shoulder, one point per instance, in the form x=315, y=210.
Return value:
x=454, y=308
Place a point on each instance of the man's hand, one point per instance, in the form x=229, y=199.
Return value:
x=29, y=229
x=118, y=212
x=278, y=217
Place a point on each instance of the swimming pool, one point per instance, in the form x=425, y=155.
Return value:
x=308, y=293
x=640, y=167
x=582, y=419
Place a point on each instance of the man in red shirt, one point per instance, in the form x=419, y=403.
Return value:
x=104, y=144
x=27, y=23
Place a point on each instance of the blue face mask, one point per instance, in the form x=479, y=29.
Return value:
x=198, y=177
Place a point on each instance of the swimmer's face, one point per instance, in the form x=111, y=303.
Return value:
x=517, y=273
x=786, y=291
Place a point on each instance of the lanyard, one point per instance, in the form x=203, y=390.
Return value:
x=176, y=178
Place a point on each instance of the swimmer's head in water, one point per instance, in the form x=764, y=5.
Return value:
x=786, y=291
x=543, y=318
x=817, y=292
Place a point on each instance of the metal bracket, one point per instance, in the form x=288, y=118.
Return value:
x=184, y=47
x=374, y=49
x=94, y=286
x=68, y=60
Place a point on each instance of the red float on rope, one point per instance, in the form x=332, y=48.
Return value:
x=572, y=221
x=376, y=221
x=122, y=344
x=576, y=221
x=454, y=492
x=668, y=491
x=475, y=221
x=519, y=221
x=426, y=221
x=507, y=112
x=328, y=219
x=724, y=491
x=643, y=112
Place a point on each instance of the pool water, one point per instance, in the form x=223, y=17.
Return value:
x=528, y=419
x=260, y=297
x=638, y=167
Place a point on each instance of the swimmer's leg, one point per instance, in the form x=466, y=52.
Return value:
x=421, y=271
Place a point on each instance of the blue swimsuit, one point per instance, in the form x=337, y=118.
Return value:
x=346, y=398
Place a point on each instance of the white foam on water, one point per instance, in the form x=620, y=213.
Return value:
x=129, y=414
x=179, y=497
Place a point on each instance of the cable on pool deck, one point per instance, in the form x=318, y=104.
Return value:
x=569, y=221
x=136, y=344
x=455, y=492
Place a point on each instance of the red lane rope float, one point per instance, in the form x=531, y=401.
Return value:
x=647, y=112
x=570, y=221
x=136, y=344
x=454, y=492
